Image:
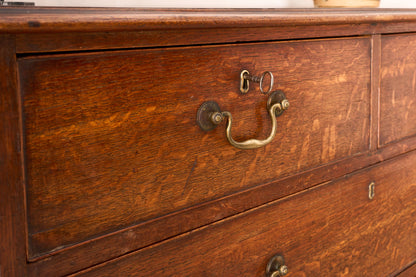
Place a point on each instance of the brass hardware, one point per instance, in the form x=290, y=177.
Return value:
x=245, y=79
x=209, y=116
x=276, y=266
x=217, y=117
x=371, y=190
x=278, y=97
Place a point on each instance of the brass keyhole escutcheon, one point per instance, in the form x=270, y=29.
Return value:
x=371, y=190
x=245, y=79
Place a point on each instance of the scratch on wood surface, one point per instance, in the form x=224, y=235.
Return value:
x=194, y=164
x=304, y=152
x=325, y=139
x=414, y=81
x=150, y=109
x=329, y=144
x=332, y=143
x=316, y=125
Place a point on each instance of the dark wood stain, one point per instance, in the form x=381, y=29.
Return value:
x=83, y=131
x=409, y=272
x=76, y=19
x=98, y=107
x=34, y=24
x=12, y=227
x=398, y=88
x=375, y=85
x=337, y=218
x=98, y=250
x=75, y=41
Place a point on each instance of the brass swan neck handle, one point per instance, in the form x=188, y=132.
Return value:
x=209, y=116
x=252, y=143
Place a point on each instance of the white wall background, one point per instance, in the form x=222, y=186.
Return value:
x=205, y=3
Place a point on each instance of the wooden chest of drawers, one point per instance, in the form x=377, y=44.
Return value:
x=106, y=171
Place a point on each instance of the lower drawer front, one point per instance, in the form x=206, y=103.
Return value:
x=334, y=229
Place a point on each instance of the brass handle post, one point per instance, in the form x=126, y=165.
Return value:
x=276, y=266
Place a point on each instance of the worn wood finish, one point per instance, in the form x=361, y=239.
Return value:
x=57, y=29
x=86, y=88
x=119, y=243
x=75, y=41
x=127, y=141
x=398, y=88
x=15, y=20
x=319, y=238
x=12, y=227
x=409, y=272
x=375, y=90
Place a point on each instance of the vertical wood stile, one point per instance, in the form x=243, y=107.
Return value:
x=375, y=91
x=12, y=229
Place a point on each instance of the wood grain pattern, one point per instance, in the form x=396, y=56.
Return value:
x=103, y=19
x=57, y=29
x=12, y=227
x=331, y=230
x=76, y=41
x=375, y=90
x=398, y=88
x=409, y=272
x=99, y=129
x=101, y=249
x=100, y=136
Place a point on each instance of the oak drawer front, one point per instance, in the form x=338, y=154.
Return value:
x=398, y=88
x=111, y=139
x=331, y=230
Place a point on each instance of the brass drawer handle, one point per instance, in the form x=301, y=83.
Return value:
x=209, y=115
x=276, y=266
